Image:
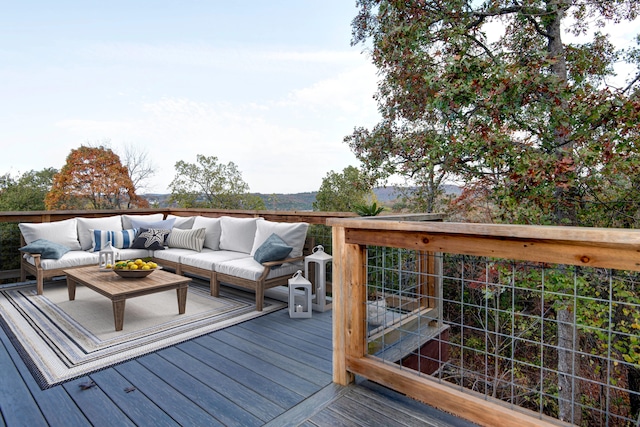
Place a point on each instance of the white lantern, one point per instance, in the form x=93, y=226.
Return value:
x=299, y=296
x=321, y=259
x=106, y=256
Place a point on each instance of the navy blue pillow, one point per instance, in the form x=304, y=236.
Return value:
x=150, y=238
x=273, y=249
x=46, y=248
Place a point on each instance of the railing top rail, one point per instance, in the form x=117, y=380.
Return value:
x=609, y=237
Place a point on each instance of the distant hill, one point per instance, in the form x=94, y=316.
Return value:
x=301, y=201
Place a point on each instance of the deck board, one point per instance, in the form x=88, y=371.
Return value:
x=270, y=371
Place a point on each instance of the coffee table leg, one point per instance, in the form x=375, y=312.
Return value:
x=118, y=312
x=71, y=288
x=182, y=298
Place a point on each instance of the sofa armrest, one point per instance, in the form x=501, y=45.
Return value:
x=36, y=257
x=270, y=264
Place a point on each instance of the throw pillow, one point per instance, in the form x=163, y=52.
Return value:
x=293, y=233
x=165, y=224
x=151, y=239
x=126, y=219
x=183, y=222
x=214, y=230
x=62, y=232
x=46, y=248
x=273, y=249
x=187, y=239
x=122, y=239
x=237, y=233
x=85, y=225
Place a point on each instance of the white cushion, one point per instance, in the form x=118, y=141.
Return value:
x=76, y=258
x=63, y=232
x=182, y=222
x=126, y=219
x=293, y=233
x=171, y=254
x=122, y=254
x=237, y=234
x=112, y=223
x=213, y=231
x=249, y=268
x=187, y=239
x=208, y=258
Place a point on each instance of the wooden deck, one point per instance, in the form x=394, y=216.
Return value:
x=272, y=371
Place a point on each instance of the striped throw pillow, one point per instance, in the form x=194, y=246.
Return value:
x=187, y=239
x=121, y=239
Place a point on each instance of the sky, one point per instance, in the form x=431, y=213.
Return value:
x=272, y=86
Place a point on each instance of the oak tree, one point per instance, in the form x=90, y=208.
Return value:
x=343, y=192
x=208, y=183
x=93, y=178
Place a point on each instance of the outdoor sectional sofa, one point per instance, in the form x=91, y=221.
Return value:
x=235, y=251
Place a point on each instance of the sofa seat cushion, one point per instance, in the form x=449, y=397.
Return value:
x=133, y=253
x=68, y=260
x=172, y=254
x=248, y=268
x=208, y=258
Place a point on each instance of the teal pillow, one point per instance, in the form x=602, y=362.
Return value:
x=46, y=248
x=273, y=249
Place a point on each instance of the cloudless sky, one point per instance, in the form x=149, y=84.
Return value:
x=273, y=86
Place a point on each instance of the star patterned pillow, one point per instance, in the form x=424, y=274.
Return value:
x=150, y=238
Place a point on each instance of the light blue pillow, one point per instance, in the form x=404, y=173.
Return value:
x=165, y=224
x=273, y=249
x=46, y=248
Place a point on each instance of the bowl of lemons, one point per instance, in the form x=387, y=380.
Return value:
x=137, y=268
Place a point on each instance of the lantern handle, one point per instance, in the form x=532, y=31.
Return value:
x=318, y=248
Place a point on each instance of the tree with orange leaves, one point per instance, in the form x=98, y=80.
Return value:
x=93, y=178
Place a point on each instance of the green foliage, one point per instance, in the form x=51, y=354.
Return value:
x=22, y=193
x=522, y=118
x=341, y=192
x=368, y=210
x=26, y=192
x=209, y=184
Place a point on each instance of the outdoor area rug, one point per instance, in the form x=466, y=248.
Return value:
x=60, y=340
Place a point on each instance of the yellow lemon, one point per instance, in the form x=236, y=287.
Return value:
x=145, y=267
x=133, y=267
x=139, y=261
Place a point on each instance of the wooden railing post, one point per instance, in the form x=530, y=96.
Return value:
x=349, y=298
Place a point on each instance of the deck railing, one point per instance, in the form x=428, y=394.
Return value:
x=499, y=324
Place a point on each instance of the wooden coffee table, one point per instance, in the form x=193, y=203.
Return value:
x=119, y=289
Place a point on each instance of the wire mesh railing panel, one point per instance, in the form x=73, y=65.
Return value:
x=560, y=340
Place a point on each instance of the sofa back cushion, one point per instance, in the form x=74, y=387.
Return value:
x=85, y=225
x=238, y=234
x=126, y=219
x=62, y=232
x=182, y=222
x=213, y=231
x=293, y=233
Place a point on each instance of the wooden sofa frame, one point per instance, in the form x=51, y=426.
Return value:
x=258, y=286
